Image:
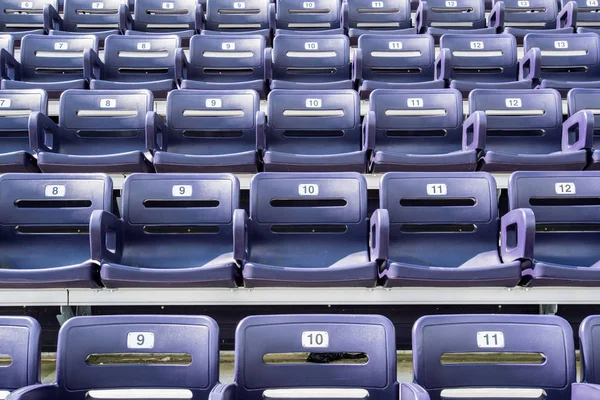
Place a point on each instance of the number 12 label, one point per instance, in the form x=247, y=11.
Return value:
x=140, y=340
x=490, y=339
x=564, y=188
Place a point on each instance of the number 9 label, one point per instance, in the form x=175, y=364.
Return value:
x=182, y=191
x=140, y=340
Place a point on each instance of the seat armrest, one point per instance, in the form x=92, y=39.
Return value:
x=530, y=65
x=9, y=67
x=272, y=14
x=156, y=132
x=357, y=65
x=240, y=230
x=344, y=15
x=379, y=235
x=567, y=16
x=260, y=130
x=125, y=19
x=199, y=20
x=106, y=228
x=35, y=392
x=412, y=391
x=421, y=17
x=578, y=131
x=442, y=66
x=517, y=235
x=42, y=133
x=369, y=128
x=268, y=64
x=585, y=391
x=93, y=67
x=474, y=131
x=496, y=17
x=52, y=19
x=223, y=391
x=181, y=65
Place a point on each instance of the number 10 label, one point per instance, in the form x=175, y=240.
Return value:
x=490, y=339
x=140, y=340
x=315, y=339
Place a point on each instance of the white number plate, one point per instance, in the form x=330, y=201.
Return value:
x=213, y=103
x=308, y=4
x=451, y=3
x=108, y=103
x=61, y=46
x=140, y=340
x=523, y=3
x=308, y=189
x=395, y=45
x=476, y=45
x=168, y=6
x=311, y=46
x=513, y=103
x=182, y=190
x=564, y=188
x=490, y=339
x=144, y=46
x=315, y=339
x=5, y=103
x=97, y=5
x=377, y=4
x=561, y=44
x=591, y=3
x=437, y=189
x=414, y=103
x=239, y=5
x=55, y=190
x=314, y=103
x=228, y=46
x=27, y=4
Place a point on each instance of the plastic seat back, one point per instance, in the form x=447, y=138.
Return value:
x=313, y=122
x=15, y=108
x=586, y=99
x=212, y=123
x=482, y=58
x=21, y=16
x=440, y=219
x=20, y=339
x=259, y=337
x=247, y=15
x=549, y=339
x=378, y=15
x=311, y=58
x=394, y=58
x=459, y=14
x=83, y=16
x=417, y=121
x=524, y=121
x=567, y=57
x=54, y=58
x=307, y=220
x=589, y=338
x=227, y=58
x=314, y=15
x=7, y=43
x=530, y=14
x=160, y=16
x=134, y=58
x=44, y=218
x=86, y=348
x=566, y=214
x=102, y=121
x=587, y=13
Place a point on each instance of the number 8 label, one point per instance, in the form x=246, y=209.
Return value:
x=108, y=103
x=140, y=340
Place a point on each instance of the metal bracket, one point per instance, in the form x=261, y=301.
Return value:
x=66, y=313
x=548, y=309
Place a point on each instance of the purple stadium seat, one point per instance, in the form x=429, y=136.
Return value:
x=390, y=61
x=258, y=336
x=176, y=231
x=585, y=101
x=441, y=229
x=468, y=62
x=314, y=131
x=225, y=62
x=85, y=342
x=530, y=16
x=522, y=130
x=44, y=233
x=312, y=62
x=565, y=206
x=307, y=229
x=97, y=131
x=417, y=130
x=438, y=17
x=100, y=18
x=15, y=108
x=563, y=62
x=20, y=340
x=19, y=18
x=390, y=17
x=438, y=335
x=589, y=336
x=587, y=18
x=207, y=131
x=52, y=63
x=134, y=62
x=248, y=17
x=313, y=18
x=173, y=17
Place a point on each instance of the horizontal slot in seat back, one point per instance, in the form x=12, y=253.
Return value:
x=261, y=336
x=589, y=338
x=87, y=349
x=227, y=58
x=440, y=219
x=20, y=343
x=520, y=121
x=212, y=122
x=417, y=121
x=397, y=58
x=546, y=339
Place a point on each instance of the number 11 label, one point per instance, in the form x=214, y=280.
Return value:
x=490, y=339
x=140, y=340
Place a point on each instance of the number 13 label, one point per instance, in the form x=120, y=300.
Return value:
x=490, y=339
x=140, y=340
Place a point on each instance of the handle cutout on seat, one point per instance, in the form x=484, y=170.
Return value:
x=237, y=11
x=391, y=10
x=137, y=393
x=416, y=133
x=438, y=228
x=313, y=113
x=213, y=113
x=515, y=113
x=107, y=113
x=52, y=203
x=108, y=359
x=172, y=203
x=192, y=134
x=143, y=54
x=52, y=229
x=568, y=201
x=58, y=54
x=434, y=112
x=567, y=227
x=312, y=228
x=488, y=357
x=438, y=202
x=228, y=54
x=308, y=202
x=181, y=230
x=320, y=393
x=350, y=358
